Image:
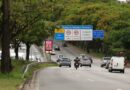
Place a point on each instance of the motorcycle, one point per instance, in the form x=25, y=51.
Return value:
x=76, y=65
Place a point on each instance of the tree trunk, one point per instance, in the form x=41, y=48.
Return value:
x=6, y=61
x=27, y=51
x=16, y=46
x=16, y=51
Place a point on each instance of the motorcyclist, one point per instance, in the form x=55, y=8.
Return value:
x=76, y=62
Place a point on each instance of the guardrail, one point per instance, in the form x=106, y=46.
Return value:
x=28, y=67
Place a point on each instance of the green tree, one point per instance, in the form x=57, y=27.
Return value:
x=5, y=62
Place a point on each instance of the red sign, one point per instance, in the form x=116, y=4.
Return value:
x=48, y=45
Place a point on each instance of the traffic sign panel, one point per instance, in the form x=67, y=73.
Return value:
x=78, y=32
x=87, y=34
x=98, y=34
x=68, y=34
x=59, y=36
x=59, y=30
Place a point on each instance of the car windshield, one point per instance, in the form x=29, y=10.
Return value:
x=107, y=58
x=60, y=56
x=65, y=59
x=85, y=59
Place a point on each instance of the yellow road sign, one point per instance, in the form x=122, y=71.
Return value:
x=59, y=31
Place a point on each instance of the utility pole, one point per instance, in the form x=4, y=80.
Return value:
x=6, y=61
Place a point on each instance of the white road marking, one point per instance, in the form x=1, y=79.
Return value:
x=119, y=89
x=91, y=80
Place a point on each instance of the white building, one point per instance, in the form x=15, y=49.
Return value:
x=123, y=1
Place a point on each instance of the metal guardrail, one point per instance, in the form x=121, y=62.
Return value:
x=28, y=67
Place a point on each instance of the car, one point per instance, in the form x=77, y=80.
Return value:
x=85, y=62
x=57, y=48
x=64, y=45
x=105, y=61
x=47, y=52
x=52, y=52
x=60, y=56
x=107, y=65
x=65, y=62
x=82, y=55
x=117, y=63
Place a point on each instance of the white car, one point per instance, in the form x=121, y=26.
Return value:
x=117, y=64
x=52, y=52
x=82, y=55
x=105, y=61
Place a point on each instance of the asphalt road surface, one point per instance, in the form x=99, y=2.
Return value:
x=85, y=78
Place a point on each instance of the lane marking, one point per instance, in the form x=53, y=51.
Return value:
x=119, y=89
x=91, y=80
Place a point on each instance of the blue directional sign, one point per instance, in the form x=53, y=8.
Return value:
x=98, y=34
x=59, y=36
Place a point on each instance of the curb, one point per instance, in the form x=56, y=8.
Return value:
x=21, y=87
x=27, y=67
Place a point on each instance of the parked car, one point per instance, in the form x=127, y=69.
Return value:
x=85, y=62
x=65, y=62
x=105, y=61
x=57, y=48
x=60, y=56
x=117, y=64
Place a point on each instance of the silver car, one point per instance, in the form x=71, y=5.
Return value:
x=65, y=62
x=85, y=62
x=105, y=61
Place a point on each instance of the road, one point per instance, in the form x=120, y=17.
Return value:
x=85, y=78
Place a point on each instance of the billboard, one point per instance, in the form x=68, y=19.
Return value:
x=48, y=45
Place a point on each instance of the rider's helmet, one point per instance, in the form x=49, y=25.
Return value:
x=77, y=58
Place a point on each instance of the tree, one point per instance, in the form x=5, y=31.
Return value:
x=6, y=61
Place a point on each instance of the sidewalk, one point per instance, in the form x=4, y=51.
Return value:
x=31, y=84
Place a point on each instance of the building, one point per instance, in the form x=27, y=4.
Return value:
x=124, y=1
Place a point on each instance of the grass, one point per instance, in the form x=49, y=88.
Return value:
x=39, y=66
x=95, y=54
x=14, y=79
